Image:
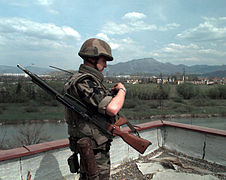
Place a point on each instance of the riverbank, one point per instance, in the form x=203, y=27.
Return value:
x=172, y=116
x=156, y=117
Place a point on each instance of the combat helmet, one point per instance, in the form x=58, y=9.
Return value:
x=94, y=48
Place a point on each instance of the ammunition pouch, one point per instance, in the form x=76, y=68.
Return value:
x=73, y=163
x=87, y=157
x=73, y=159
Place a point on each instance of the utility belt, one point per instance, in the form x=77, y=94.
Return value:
x=73, y=145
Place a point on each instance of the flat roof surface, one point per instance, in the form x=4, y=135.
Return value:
x=165, y=164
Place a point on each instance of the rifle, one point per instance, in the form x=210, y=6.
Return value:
x=97, y=119
x=61, y=70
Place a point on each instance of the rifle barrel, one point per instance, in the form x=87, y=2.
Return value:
x=21, y=67
x=61, y=69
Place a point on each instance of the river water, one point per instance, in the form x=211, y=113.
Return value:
x=59, y=130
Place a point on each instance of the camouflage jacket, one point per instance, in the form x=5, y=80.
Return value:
x=86, y=85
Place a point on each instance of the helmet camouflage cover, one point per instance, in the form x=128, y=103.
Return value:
x=95, y=48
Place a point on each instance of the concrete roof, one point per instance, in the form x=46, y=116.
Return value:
x=164, y=164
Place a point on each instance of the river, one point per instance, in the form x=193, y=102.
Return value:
x=59, y=130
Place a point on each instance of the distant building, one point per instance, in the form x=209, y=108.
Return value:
x=15, y=74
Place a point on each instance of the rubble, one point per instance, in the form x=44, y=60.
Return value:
x=165, y=164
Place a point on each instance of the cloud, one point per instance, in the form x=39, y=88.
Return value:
x=169, y=27
x=114, y=45
x=125, y=49
x=23, y=39
x=207, y=44
x=212, y=52
x=189, y=54
x=141, y=25
x=212, y=29
x=113, y=28
x=134, y=23
x=27, y=28
x=134, y=16
x=52, y=11
x=102, y=36
x=26, y=3
x=45, y=2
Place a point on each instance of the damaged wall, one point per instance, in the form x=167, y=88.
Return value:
x=200, y=145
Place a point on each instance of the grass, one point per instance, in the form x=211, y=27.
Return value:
x=152, y=107
x=21, y=112
x=134, y=108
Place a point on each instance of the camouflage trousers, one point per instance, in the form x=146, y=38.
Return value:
x=102, y=156
x=103, y=165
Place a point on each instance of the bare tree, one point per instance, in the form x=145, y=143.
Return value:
x=2, y=140
x=31, y=134
x=26, y=135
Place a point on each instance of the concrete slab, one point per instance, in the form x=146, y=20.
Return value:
x=172, y=175
x=150, y=168
x=155, y=156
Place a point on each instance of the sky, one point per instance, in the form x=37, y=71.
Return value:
x=50, y=32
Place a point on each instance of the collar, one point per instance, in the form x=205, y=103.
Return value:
x=87, y=69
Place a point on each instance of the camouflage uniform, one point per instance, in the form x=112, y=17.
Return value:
x=87, y=86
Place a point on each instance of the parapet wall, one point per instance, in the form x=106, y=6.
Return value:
x=49, y=160
x=199, y=142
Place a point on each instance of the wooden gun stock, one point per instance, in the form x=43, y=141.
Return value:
x=121, y=121
x=136, y=142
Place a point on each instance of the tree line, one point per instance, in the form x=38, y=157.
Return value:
x=24, y=91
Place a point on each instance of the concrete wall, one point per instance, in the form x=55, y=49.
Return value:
x=49, y=160
x=47, y=165
x=196, y=144
x=121, y=152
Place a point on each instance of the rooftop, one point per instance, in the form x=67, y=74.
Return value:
x=166, y=164
x=178, y=151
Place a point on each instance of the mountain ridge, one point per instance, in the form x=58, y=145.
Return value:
x=154, y=67
x=34, y=69
x=139, y=66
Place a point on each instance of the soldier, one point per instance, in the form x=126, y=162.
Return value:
x=86, y=85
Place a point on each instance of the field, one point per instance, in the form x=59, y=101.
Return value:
x=26, y=102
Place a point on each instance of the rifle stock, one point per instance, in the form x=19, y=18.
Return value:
x=100, y=121
x=136, y=142
x=121, y=121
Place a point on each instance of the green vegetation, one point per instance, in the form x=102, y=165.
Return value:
x=24, y=101
x=23, y=112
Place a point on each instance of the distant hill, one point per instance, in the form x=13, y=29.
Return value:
x=8, y=69
x=217, y=74
x=147, y=65
x=138, y=66
x=12, y=69
x=154, y=67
